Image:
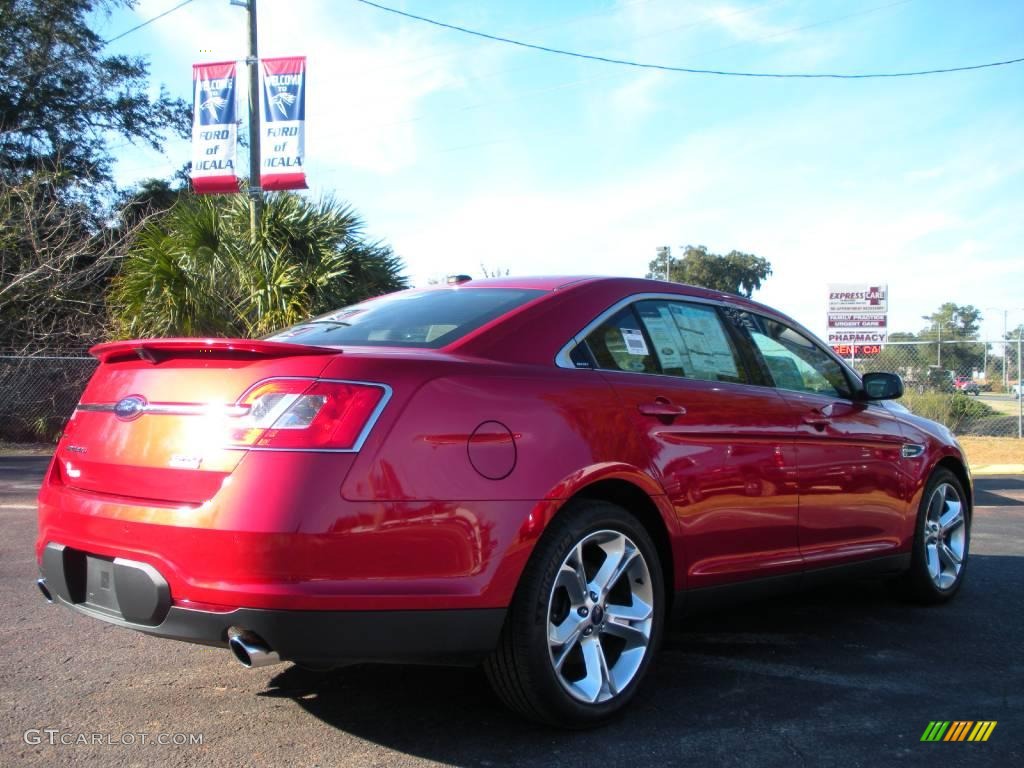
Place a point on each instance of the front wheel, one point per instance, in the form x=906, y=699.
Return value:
x=941, y=541
x=585, y=621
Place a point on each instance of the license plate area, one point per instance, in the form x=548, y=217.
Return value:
x=100, y=594
x=112, y=587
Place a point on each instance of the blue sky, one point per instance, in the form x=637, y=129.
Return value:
x=459, y=151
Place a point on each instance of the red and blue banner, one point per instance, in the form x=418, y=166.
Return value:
x=214, y=128
x=283, y=143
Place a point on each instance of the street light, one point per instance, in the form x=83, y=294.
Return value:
x=938, y=324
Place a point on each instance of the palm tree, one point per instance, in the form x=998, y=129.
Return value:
x=198, y=270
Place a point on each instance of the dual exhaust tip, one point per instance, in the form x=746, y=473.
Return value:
x=250, y=649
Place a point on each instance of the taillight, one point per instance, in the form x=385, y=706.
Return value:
x=305, y=414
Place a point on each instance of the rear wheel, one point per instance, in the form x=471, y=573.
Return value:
x=585, y=621
x=941, y=541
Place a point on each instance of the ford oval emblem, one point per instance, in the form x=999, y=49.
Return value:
x=130, y=407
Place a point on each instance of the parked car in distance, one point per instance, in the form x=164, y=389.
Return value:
x=523, y=472
x=1015, y=389
x=967, y=385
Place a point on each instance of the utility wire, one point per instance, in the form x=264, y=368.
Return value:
x=687, y=70
x=147, y=22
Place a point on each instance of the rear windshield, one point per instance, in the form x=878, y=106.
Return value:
x=431, y=318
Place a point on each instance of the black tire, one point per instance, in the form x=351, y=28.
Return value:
x=522, y=670
x=920, y=583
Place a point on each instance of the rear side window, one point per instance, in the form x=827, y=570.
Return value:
x=689, y=340
x=429, y=319
x=620, y=344
x=666, y=337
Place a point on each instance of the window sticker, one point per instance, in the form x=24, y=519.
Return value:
x=634, y=339
x=664, y=337
x=705, y=343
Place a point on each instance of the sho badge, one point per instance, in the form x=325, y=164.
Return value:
x=185, y=462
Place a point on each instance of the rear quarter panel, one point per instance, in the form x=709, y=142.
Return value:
x=564, y=425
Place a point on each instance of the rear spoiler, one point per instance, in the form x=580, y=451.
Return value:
x=156, y=350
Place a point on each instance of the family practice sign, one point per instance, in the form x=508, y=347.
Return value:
x=858, y=314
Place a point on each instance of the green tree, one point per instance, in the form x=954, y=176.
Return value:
x=736, y=272
x=955, y=326
x=955, y=321
x=1013, y=372
x=196, y=271
x=62, y=99
x=149, y=197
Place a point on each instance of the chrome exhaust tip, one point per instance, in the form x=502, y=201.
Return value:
x=41, y=583
x=250, y=649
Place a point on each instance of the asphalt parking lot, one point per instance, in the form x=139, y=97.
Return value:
x=847, y=676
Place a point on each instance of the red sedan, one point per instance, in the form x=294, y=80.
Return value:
x=523, y=472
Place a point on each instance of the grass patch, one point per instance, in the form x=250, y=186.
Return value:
x=993, y=450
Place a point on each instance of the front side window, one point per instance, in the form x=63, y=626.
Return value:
x=431, y=318
x=793, y=360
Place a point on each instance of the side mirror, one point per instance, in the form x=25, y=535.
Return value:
x=882, y=386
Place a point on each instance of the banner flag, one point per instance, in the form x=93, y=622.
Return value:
x=214, y=128
x=283, y=143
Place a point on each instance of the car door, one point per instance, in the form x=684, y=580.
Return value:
x=851, y=486
x=722, y=447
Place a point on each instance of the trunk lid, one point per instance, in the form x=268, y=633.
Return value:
x=153, y=422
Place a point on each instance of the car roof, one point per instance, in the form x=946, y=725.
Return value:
x=536, y=331
x=627, y=285
x=533, y=282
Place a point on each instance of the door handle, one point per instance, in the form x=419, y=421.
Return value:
x=662, y=407
x=817, y=419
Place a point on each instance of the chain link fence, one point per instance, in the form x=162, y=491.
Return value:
x=971, y=387
x=39, y=394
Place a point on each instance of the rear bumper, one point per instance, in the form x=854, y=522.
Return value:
x=134, y=595
x=290, y=541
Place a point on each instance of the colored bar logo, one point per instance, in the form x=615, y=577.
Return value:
x=958, y=730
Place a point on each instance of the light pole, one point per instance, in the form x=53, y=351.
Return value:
x=1005, y=380
x=253, y=61
x=1006, y=344
x=665, y=252
x=1020, y=390
x=938, y=347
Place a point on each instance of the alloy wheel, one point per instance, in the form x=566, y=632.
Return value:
x=600, y=616
x=945, y=535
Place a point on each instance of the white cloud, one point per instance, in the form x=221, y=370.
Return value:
x=745, y=24
x=449, y=147
x=719, y=188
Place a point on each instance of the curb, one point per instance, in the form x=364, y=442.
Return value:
x=997, y=469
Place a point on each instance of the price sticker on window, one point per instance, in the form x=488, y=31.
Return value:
x=635, y=344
